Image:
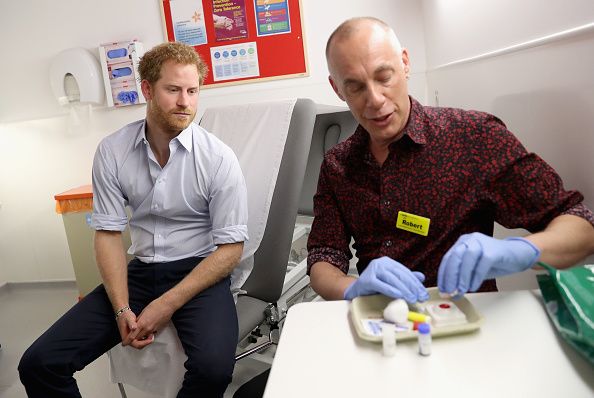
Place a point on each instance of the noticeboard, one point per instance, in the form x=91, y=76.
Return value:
x=241, y=41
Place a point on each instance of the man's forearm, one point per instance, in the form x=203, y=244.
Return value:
x=212, y=269
x=328, y=281
x=111, y=261
x=566, y=240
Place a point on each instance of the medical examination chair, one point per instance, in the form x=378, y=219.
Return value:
x=332, y=126
x=272, y=207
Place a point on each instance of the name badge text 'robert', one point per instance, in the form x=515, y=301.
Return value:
x=413, y=223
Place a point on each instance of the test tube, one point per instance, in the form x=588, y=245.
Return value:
x=424, y=331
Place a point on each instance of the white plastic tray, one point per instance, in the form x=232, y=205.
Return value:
x=364, y=308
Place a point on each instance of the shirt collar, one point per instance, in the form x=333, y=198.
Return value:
x=141, y=135
x=414, y=131
x=415, y=128
x=184, y=138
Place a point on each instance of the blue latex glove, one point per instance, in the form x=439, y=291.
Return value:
x=476, y=257
x=390, y=278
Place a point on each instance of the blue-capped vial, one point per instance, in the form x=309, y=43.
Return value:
x=424, y=331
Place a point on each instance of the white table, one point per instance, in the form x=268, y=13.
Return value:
x=516, y=353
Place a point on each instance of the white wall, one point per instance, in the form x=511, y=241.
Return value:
x=458, y=29
x=544, y=94
x=42, y=152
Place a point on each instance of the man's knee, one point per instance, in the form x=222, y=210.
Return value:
x=32, y=364
x=29, y=363
x=36, y=363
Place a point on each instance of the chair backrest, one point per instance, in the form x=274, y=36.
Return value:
x=329, y=129
x=270, y=260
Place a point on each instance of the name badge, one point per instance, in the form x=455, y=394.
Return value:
x=413, y=223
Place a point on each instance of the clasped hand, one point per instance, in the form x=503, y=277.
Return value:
x=140, y=331
x=476, y=257
x=390, y=278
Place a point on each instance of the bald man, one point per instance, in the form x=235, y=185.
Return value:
x=419, y=188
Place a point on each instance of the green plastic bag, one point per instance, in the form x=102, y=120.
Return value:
x=569, y=300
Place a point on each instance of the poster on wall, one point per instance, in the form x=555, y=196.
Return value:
x=241, y=41
x=229, y=19
x=272, y=17
x=187, y=17
x=234, y=61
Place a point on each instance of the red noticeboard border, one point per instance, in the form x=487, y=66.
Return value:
x=280, y=56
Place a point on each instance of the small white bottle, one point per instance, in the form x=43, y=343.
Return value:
x=389, y=339
x=424, y=330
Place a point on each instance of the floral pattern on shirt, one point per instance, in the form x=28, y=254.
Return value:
x=461, y=169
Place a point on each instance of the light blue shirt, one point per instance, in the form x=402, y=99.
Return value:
x=185, y=209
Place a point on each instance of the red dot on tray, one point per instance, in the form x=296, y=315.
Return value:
x=444, y=305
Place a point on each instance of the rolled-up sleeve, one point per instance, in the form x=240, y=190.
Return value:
x=109, y=204
x=580, y=210
x=228, y=202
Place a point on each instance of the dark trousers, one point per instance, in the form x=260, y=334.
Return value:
x=206, y=326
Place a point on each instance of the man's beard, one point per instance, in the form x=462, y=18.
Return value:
x=169, y=121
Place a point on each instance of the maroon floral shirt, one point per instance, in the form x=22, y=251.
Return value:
x=461, y=169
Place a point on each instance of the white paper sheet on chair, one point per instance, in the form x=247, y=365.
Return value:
x=157, y=369
x=257, y=134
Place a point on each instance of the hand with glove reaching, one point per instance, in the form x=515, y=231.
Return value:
x=476, y=257
x=390, y=278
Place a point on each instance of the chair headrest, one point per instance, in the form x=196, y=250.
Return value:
x=329, y=130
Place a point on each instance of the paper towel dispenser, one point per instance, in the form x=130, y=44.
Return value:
x=75, y=76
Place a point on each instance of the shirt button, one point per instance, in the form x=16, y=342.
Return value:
x=386, y=202
x=388, y=243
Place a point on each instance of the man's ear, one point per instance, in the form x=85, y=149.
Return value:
x=146, y=89
x=335, y=88
x=405, y=63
